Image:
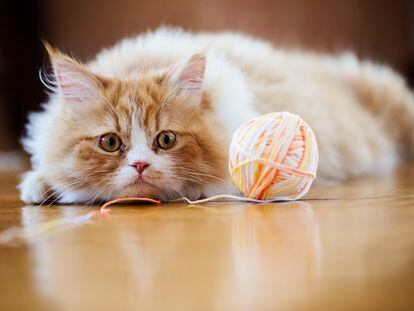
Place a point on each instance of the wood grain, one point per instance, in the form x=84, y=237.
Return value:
x=344, y=247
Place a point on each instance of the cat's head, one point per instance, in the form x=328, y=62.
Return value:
x=155, y=135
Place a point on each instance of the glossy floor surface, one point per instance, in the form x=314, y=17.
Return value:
x=348, y=247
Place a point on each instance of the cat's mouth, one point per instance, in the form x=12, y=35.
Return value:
x=142, y=181
x=141, y=187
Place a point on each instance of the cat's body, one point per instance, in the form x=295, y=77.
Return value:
x=198, y=88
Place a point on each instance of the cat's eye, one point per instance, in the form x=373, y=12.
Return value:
x=110, y=142
x=165, y=140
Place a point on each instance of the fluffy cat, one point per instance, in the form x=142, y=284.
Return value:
x=153, y=115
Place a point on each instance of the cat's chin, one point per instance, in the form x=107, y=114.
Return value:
x=141, y=189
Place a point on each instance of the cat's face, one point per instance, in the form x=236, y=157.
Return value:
x=154, y=136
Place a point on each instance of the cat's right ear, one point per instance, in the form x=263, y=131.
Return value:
x=70, y=79
x=188, y=76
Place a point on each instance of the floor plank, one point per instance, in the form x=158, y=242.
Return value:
x=343, y=247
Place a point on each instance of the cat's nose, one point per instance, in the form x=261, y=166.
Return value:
x=140, y=166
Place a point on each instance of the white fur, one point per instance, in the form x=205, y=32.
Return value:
x=32, y=188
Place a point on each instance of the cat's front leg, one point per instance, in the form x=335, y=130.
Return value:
x=33, y=188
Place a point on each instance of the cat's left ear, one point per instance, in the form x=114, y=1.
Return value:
x=71, y=80
x=188, y=76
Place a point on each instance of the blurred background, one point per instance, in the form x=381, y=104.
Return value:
x=382, y=30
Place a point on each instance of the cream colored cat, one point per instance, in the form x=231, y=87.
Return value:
x=153, y=115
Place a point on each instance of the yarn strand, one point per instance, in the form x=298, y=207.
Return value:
x=280, y=167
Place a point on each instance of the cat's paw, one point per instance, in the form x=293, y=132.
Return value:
x=33, y=188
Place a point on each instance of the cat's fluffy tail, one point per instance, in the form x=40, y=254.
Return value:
x=386, y=94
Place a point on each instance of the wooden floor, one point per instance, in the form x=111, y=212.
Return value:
x=348, y=247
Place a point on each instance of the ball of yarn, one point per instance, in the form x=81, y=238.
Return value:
x=273, y=157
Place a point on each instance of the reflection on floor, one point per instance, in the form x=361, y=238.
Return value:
x=343, y=247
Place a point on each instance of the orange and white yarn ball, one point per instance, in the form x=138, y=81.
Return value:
x=273, y=157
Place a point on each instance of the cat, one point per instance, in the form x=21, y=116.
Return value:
x=153, y=115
